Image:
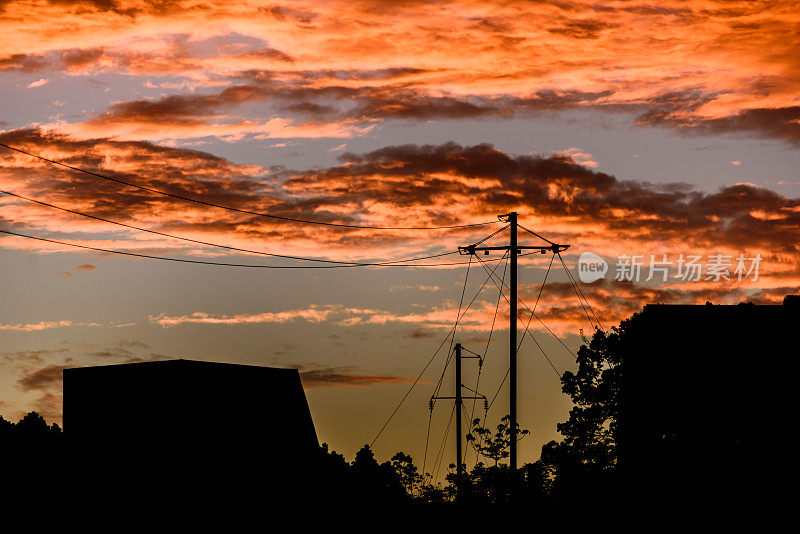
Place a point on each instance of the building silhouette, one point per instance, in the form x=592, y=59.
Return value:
x=707, y=399
x=182, y=427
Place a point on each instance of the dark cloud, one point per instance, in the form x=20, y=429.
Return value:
x=368, y=104
x=336, y=102
x=583, y=29
x=282, y=13
x=125, y=7
x=181, y=171
x=778, y=123
x=437, y=183
x=674, y=110
x=43, y=378
x=23, y=62
x=345, y=376
x=82, y=58
x=270, y=53
x=558, y=187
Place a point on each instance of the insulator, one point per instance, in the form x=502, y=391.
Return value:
x=480, y=363
x=430, y=403
x=485, y=405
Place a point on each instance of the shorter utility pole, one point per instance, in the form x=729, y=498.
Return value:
x=459, y=404
x=458, y=398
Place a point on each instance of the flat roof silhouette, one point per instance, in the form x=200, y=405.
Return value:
x=705, y=389
x=205, y=404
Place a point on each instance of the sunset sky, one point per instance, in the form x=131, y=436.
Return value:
x=619, y=127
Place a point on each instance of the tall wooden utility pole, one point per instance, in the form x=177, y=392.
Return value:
x=513, y=249
x=512, y=344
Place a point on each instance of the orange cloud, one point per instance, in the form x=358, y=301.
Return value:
x=312, y=314
x=702, y=65
x=343, y=316
x=404, y=185
x=35, y=327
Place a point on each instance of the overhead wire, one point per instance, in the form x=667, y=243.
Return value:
x=524, y=304
x=527, y=330
x=427, y=440
x=579, y=294
x=440, y=456
x=430, y=361
x=519, y=345
x=231, y=208
x=221, y=264
x=536, y=304
x=455, y=329
x=485, y=352
x=333, y=263
x=535, y=234
x=227, y=247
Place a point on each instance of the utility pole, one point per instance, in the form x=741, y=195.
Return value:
x=512, y=345
x=513, y=249
x=459, y=400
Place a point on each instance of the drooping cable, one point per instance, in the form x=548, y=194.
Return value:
x=430, y=361
x=541, y=349
x=485, y=352
x=217, y=263
x=579, y=294
x=227, y=247
x=231, y=208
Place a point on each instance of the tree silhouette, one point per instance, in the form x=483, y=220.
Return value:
x=6, y=427
x=585, y=461
x=33, y=423
x=406, y=472
x=36, y=451
x=596, y=390
x=494, y=446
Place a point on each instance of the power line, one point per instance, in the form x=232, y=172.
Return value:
x=575, y=289
x=227, y=247
x=427, y=440
x=430, y=361
x=496, y=393
x=535, y=234
x=546, y=357
x=485, y=353
x=531, y=311
x=578, y=290
x=238, y=210
x=438, y=463
x=452, y=334
x=220, y=264
x=519, y=346
x=536, y=304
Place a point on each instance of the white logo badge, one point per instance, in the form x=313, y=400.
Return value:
x=591, y=267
